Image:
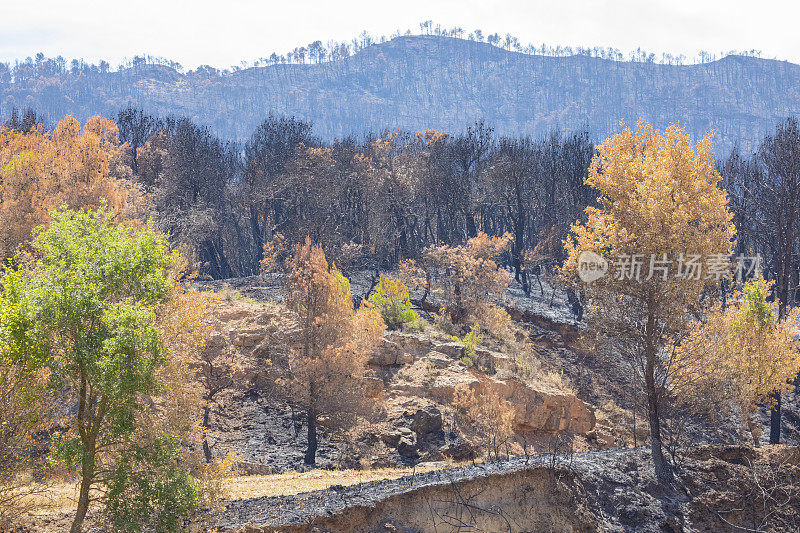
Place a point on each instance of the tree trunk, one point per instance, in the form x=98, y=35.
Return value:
x=311, y=451
x=472, y=230
x=775, y=419
x=135, y=158
x=755, y=433
x=661, y=466
x=206, y=424
x=85, y=400
x=87, y=475
x=783, y=301
x=258, y=241
x=83, y=507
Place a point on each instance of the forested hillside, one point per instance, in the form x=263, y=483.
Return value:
x=420, y=300
x=428, y=81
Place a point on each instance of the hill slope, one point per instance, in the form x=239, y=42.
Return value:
x=443, y=83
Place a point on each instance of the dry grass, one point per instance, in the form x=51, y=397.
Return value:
x=58, y=496
x=63, y=496
x=296, y=482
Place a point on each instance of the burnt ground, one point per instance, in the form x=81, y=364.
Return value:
x=302, y=509
x=268, y=432
x=269, y=435
x=731, y=488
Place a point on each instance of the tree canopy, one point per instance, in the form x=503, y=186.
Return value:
x=85, y=305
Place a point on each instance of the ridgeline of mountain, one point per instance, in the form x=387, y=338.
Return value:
x=443, y=83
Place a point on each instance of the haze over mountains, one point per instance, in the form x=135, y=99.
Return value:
x=443, y=83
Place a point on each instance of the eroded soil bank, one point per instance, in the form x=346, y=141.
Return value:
x=717, y=489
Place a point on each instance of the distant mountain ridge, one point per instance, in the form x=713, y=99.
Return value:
x=443, y=83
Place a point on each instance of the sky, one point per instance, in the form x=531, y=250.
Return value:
x=223, y=33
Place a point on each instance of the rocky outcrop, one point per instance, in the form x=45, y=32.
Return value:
x=537, y=407
x=542, y=408
x=419, y=433
x=413, y=377
x=399, y=348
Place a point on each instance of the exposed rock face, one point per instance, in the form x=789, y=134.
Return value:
x=540, y=409
x=721, y=488
x=482, y=498
x=399, y=348
x=436, y=373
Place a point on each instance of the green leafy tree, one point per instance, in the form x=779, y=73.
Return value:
x=88, y=301
x=26, y=408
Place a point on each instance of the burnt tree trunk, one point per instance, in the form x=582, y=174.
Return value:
x=661, y=466
x=206, y=426
x=311, y=450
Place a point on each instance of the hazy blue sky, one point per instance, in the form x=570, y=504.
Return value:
x=222, y=33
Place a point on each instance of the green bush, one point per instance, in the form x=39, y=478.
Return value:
x=470, y=341
x=412, y=321
x=391, y=298
x=147, y=491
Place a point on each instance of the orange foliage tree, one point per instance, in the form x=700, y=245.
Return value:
x=333, y=340
x=489, y=415
x=41, y=171
x=196, y=373
x=467, y=277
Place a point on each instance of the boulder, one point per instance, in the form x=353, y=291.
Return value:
x=427, y=421
x=457, y=448
x=407, y=446
x=543, y=410
x=453, y=350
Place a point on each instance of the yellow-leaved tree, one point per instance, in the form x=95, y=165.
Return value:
x=660, y=217
x=744, y=353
